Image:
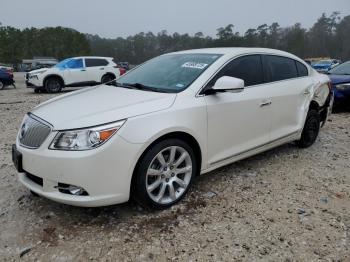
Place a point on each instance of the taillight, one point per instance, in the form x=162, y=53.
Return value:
x=10, y=73
x=329, y=86
x=122, y=71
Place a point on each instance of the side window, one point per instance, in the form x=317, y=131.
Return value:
x=75, y=63
x=92, y=62
x=249, y=68
x=280, y=68
x=302, y=69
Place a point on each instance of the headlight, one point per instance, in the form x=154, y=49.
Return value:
x=343, y=86
x=33, y=76
x=85, y=139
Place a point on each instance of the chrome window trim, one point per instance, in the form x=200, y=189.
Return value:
x=247, y=54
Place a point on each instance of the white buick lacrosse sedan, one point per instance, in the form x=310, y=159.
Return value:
x=150, y=133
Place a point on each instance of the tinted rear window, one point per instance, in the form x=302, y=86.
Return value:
x=302, y=69
x=91, y=62
x=280, y=68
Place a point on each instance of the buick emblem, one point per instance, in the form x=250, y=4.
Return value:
x=23, y=131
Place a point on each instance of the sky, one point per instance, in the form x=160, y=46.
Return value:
x=114, y=18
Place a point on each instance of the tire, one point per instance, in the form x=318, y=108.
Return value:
x=107, y=78
x=2, y=85
x=310, y=130
x=153, y=180
x=53, y=85
x=38, y=90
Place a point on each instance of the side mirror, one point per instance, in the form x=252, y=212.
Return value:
x=228, y=83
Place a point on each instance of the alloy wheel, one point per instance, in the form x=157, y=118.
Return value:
x=53, y=86
x=169, y=175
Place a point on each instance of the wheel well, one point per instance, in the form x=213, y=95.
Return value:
x=179, y=135
x=53, y=76
x=109, y=74
x=321, y=110
x=314, y=105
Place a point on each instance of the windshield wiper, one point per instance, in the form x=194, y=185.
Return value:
x=140, y=86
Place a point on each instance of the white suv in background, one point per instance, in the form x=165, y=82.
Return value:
x=77, y=71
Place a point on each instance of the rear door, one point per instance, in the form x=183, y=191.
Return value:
x=238, y=121
x=290, y=88
x=96, y=68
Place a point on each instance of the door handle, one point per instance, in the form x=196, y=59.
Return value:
x=265, y=103
x=83, y=70
x=101, y=68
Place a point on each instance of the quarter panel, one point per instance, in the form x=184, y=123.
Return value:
x=188, y=114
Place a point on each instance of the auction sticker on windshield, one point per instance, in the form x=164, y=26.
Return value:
x=200, y=66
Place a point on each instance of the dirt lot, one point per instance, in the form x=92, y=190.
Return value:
x=283, y=205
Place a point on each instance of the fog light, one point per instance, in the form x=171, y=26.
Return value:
x=71, y=190
x=75, y=190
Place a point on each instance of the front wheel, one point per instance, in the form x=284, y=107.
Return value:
x=164, y=174
x=310, y=130
x=2, y=85
x=53, y=85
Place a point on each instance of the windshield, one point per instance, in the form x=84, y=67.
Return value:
x=324, y=62
x=62, y=64
x=168, y=73
x=342, y=69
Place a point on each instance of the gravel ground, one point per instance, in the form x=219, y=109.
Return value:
x=286, y=204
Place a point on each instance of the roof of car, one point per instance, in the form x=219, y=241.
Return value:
x=94, y=57
x=237, y=51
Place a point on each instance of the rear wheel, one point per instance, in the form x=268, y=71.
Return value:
x=2, y=85
x=107, y=78
x=310, y=130
x=53, y=85
x=164, y=174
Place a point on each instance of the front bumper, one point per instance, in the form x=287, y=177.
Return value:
x=105, y=172
x=30, y=84
x=341, y=98
x=33, y=82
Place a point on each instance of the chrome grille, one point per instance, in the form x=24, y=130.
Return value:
x=33, y=132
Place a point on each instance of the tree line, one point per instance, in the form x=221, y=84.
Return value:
x=328, y=37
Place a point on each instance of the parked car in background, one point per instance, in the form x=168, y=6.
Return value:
x=28, y=65
x=165, y=122
x=124, y=65
x=6, y=68
x=6, y=78
x=340, y=77
x=324, y=65
x=77, y=71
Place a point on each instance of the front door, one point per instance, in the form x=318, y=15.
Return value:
x=75, y=72
x=238, y=122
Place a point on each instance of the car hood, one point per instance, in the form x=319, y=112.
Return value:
x=339, y=79
x=99, y=105
x=39, y=70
